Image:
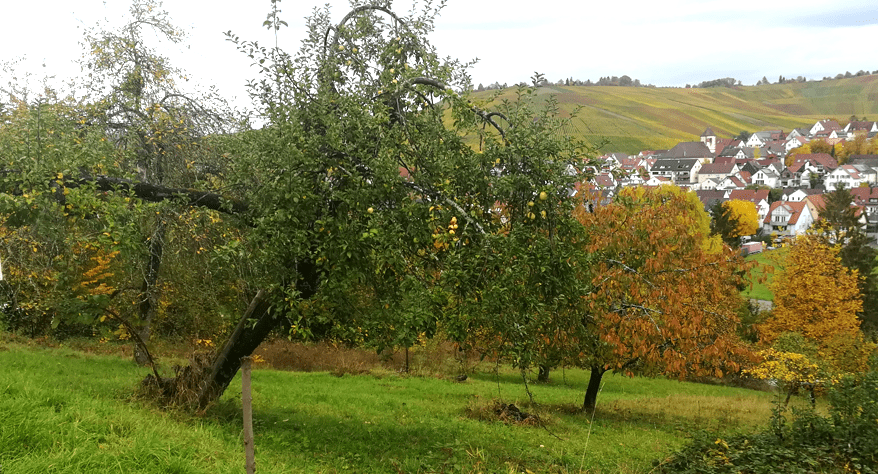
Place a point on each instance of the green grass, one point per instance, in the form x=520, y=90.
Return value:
x=768, y=264
x=65, y=411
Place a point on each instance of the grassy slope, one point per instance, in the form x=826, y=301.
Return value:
x=768, y=264
x=632, y=119
x=68, y=412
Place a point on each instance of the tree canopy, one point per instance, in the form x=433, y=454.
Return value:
x=376, y=202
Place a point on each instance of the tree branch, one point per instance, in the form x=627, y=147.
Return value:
x=147, y=192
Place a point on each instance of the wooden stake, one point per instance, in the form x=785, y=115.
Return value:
x=247, y=403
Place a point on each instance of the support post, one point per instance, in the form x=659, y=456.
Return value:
x=247, y=403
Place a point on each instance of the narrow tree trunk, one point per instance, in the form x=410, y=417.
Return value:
x=147, y=307
x=594, y=386
x=543, y=374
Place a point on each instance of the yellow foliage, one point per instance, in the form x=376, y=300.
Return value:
x=814, y=294
x=791, y=156
x=95, y=280
x=790, y=368
x=743, y=215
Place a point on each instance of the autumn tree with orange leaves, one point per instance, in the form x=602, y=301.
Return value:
x=665, y=294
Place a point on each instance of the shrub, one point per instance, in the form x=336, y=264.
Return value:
x=846, y=440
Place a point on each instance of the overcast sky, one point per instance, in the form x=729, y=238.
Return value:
x=665, y=43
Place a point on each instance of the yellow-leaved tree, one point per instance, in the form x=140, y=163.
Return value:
x=816, y=301
x=743, y=216
x=814, y=294
x=734, y=219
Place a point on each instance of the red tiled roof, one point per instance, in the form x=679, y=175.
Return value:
x=717, y=168
x=817, y=200
x=795, y=209
x=821, y=158
x=752, y=195
x=862, y=195
x=737, y=181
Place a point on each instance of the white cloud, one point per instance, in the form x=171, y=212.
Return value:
x=667, y=43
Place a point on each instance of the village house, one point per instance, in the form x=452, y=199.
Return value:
x=788, y=218
x=823, y=126
x=689, y=150
x=867, y=198
x=798, y=195
x=816, y=203
x=869, y=160
x=736, y=181
x=716, y=172
x=764, y=138
x=795, y=142
x=789, y=179
x=678, y=171
x=766, y=177
x=710, y=197
x=821, y=163
x=658, y=181
x=849, y=176
x=870, y=129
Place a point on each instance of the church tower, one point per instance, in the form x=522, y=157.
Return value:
x=709, y=139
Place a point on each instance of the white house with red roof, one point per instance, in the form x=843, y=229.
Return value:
x=823, y=126
x=765, y=138
x=658, y=181
x=735, y=181
x=766, y=177
x=709, y=184
x=797, y=195
x=867, y=128
x=849, y=176
x=822, y=162
x=795, y=142
x=788, y=218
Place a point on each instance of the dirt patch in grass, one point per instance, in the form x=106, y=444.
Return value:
x=497, y=410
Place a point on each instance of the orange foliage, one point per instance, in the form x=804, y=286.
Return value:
x=665, y=293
